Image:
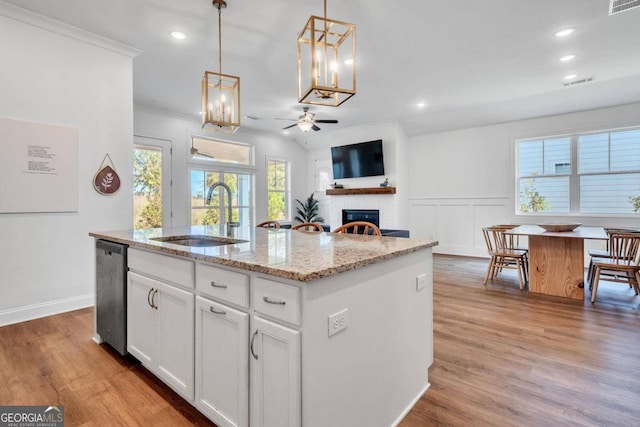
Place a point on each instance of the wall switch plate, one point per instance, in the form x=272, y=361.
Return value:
x=421, y=282
x=338, y=321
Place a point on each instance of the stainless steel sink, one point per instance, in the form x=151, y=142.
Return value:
x=198, y=241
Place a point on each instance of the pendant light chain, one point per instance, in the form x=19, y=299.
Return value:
x=220, y=40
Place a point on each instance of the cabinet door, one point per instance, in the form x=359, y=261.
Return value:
x=222, y=363
x=141, y=314
x=275, y=375
x=175, y=338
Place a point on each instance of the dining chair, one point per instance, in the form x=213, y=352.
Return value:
x=354, y=227
x=308, y=226
x=599, y=253
x=512, y=240
x=269, y=224
x=622, y=265
x=502, y=256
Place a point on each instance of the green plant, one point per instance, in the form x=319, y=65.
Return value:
x=531, y=200
x=308, y=211
x=635, y=201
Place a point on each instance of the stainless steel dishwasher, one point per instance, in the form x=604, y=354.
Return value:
x=111, y=294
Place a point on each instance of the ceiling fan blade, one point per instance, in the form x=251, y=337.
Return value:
x=195, y=152
x=314, y=127
x=326, y=121
x=295, y=124
x=282, y=118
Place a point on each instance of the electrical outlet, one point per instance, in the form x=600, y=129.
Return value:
x=338, y=321
x=421, y=282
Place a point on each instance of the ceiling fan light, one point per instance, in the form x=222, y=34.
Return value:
x=305, y=126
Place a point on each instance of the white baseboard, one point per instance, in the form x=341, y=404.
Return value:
x=411, y=405
x=461, y=251
x=36, y=311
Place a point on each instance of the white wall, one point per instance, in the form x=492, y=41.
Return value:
x=461, y=181
x=53, y=73
x=393, y=208
x=178, y=130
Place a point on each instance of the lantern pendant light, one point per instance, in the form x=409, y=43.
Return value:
x=220, y=92
x=326, y=61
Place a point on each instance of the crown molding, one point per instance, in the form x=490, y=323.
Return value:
x=40, y=21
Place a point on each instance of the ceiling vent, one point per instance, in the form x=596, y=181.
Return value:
x=617, y=6
x=577, y=82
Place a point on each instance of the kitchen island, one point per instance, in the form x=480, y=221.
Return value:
x=281, y=327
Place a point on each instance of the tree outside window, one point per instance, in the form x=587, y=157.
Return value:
x=531, y=200
x=147, y=187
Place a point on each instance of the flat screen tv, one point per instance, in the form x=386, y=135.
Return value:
x=357, y=160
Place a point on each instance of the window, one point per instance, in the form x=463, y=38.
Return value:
x=542, y=185
x=213, y=161
x=278, y=190
x=206, y=149
x=215, y=212
x=605, y=181
x=151, y=182
x=609, y=171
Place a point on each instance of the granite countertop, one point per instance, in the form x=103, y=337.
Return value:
x=295, y=255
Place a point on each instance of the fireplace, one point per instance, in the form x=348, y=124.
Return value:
x=369, y=215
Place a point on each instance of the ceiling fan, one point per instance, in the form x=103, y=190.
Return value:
x=306, y=121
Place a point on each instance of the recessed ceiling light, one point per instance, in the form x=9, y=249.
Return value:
x=178, y=35
x=565, y=32
x=570, y=76
x=567, y=58
x=348, y=61
x=286, y=132
x=421, y=104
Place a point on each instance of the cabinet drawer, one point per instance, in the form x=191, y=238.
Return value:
x=277, y=300
x=223, y=284
x=163, y=267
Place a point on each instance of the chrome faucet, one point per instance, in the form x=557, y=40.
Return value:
x=230, y=224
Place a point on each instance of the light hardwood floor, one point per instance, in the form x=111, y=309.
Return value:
x=502, y=357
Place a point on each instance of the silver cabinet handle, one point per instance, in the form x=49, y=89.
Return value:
x=214, y=311
x=215, y=285
x=270, y=301
x=253, y=338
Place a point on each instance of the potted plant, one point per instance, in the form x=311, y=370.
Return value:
x=308, y=211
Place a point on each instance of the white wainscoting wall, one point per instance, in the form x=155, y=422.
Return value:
x=456, y=223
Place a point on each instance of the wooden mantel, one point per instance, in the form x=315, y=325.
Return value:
x=370, y=190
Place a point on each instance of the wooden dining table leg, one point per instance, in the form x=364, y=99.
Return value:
x=556, y=266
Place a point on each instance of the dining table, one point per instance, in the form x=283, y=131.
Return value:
x=556, y=258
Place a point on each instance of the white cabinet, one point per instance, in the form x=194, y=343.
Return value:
x=222, y=358
x=160, y=330
x=275, y=374
x=141, y=339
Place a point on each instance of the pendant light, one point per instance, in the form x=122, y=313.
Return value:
x=326, y=61
x=220, y=92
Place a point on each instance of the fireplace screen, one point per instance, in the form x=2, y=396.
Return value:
x=369, y=215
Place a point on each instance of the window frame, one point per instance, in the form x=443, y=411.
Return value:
x=574, y=175
x=213, y=166
x=224, y=164
x=287, y=185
